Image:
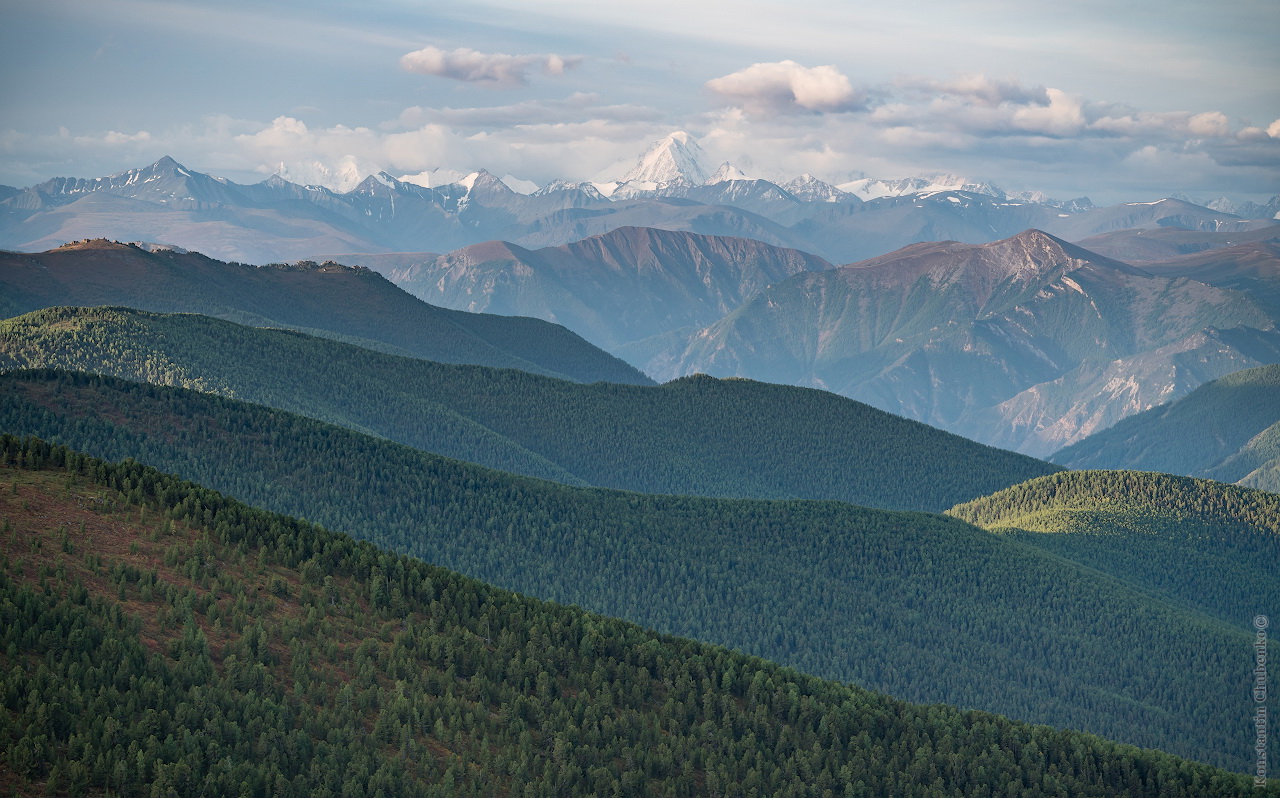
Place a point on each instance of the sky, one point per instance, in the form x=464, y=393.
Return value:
x=1116, y=101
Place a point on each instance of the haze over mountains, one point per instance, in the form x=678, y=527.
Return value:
x=671, y=187
x=1029, y=343
x=471, y=379
x=329, y=299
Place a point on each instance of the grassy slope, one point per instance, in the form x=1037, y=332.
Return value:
x=693, y=436
x=253, y=652
x=921, y=606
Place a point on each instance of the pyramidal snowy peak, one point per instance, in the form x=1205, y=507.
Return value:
x=675, y=159
x=727, y=172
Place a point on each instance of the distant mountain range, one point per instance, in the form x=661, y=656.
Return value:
x=622, y=286
x=1228, y=430
x=350, y=304
x=671, y=187
x=1029, y=343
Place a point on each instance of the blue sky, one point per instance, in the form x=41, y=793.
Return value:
x=1119, y=101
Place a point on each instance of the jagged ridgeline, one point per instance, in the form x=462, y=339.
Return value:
x=328, y=299
x=697, y=435
x=1195, y=542
x=160, y=638
x=924, y=607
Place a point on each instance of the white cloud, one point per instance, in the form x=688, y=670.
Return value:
x=976, y=88
x=787, y=87
x=496, y=70
x=1063, y=116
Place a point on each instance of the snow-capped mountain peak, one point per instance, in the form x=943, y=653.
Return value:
x=727, y=172
x=808, y=188
x=677, y=158
x=433, y=178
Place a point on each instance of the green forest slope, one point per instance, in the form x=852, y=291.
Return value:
x=697, y=435
x=1203, y=544
x=924, y=607
x=351, y=304
x=157, y=638
x=1220, y=430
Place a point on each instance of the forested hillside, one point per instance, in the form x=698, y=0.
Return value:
x=1225, y=430
x=159, y=638
x=327, y=299
x=1196, y=542
x=924, y=607
x=698, y=435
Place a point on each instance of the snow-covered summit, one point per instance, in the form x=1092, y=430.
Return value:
x=871, y=188
x=677, y=158
x=808, y=188
x=727, y=172
x=434, y=178
x=341, y=177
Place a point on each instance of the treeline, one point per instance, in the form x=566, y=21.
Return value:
x=1203, y=544
x=159, y=638
x=698, y=435
x=922, y=606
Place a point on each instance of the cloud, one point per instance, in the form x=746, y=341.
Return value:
x=787, y=87
x=976, y=88
x=495, y=70
x=576, y=107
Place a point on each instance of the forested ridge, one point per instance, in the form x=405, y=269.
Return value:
x=697, y=435
x=921, y=606
x=159, y=638
x=1205, y=544
x=1225, y=430
x=329, y=299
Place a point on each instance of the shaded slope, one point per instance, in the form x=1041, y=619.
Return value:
x=274, y=656
x=1194, y=435
x=924, y=607
x=693, y=436
x=356, y=303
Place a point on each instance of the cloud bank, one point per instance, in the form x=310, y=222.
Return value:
x=495, y=70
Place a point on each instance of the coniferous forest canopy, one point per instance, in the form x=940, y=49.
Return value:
x=697, y=435
x=921, y=606
x=160, y=638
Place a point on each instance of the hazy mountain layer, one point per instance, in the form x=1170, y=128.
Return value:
x=693, y=436
x=921, y=606
x=326, y=666
x=328, y=299
x=278, y=220
x=612, y=289
x=1222, y=429
x=1003, y=342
